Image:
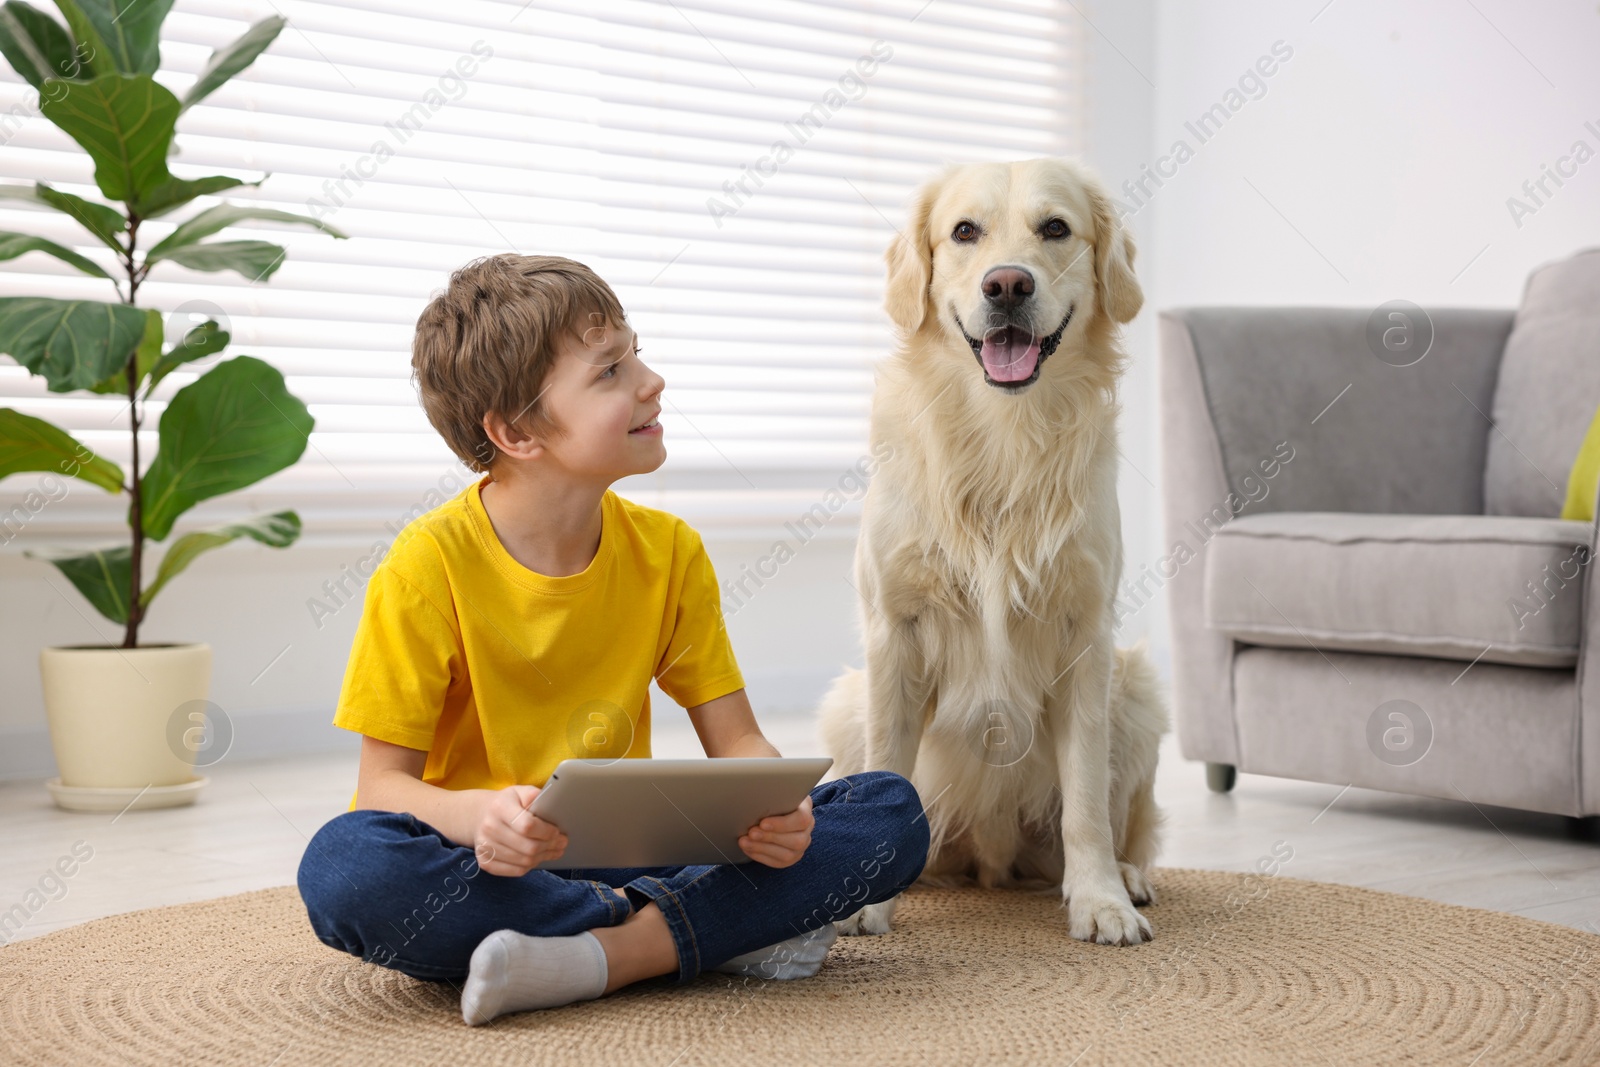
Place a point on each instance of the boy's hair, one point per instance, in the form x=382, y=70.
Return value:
x=488, y=341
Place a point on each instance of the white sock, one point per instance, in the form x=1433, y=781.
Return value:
x=799, y=957
x=515, y=972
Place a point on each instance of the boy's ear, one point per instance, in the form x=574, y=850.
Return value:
x=505, y=438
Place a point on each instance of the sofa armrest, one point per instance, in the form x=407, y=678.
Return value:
x=1588, y=754
x=1287, y=409
x=1194, y=485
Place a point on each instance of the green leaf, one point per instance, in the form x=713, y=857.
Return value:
x=176, y=192
x=129, y=29
x=124, y=122
x=72, y=344
x=103, y=221
x=35, y=44
x=222, y=216
x=30, y=444
x=204, y=340
x=229, y=428
x=13, y=245
x=278, y=530
x=144, y=359
x=255, y=260
x=96, y=57
x=103, y=575
x=230, y=59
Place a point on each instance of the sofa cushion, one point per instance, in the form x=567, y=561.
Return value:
x=1548, y=389
x=1498, y=588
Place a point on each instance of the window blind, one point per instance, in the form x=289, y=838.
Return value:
x=735, y=171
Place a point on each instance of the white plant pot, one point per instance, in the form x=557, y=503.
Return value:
x=118, y=721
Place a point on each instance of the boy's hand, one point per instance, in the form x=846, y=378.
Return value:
x=511, y=841
x=780, y=840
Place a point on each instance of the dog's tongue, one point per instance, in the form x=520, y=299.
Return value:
x=1009, y=354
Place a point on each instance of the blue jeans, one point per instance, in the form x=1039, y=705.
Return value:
x=394, y=891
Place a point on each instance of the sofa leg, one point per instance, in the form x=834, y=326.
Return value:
x=1584, y=828
x=1220, y=777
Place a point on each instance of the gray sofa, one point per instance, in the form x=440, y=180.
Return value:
x=1367, y=577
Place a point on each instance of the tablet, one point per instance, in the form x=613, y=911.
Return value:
x=668, y=812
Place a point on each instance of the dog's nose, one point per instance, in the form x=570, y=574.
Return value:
x=1007, y=286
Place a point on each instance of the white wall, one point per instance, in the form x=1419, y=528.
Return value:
x=1122, y=82
x=1378, y=163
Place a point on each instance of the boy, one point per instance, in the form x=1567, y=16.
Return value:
x=519, y=624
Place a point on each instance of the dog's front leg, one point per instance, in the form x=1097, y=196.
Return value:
x=900, y=684
x=899, y=687
x=1098, y=906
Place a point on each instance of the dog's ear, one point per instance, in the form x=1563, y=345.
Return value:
x=910, y=261
x=1115, y=283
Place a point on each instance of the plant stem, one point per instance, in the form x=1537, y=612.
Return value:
x=130, y=638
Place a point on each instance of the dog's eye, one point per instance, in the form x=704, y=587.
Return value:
x=965, y=231
x=1055, y=229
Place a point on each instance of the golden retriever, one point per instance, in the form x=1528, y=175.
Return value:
x=990, y=552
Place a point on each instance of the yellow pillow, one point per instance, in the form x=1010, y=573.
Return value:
x=1584, y=480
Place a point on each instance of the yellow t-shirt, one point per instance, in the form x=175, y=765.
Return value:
x=500, y=673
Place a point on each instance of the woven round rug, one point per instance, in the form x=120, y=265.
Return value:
x=1244, y=969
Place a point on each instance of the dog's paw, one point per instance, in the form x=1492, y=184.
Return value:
x=1140, y=891
x=872, y=919
x=1106, y=917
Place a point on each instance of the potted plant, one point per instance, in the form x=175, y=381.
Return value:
x=122, y=720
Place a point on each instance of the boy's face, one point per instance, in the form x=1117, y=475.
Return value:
x=608, y=401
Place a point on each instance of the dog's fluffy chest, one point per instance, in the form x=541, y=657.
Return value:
x=975, y=564
x=1000, y=522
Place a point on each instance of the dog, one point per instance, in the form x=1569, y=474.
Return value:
x=990, y=552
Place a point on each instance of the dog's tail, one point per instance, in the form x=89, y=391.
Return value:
x=1139, y=721
x=841, y=723
x=1136, y=681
